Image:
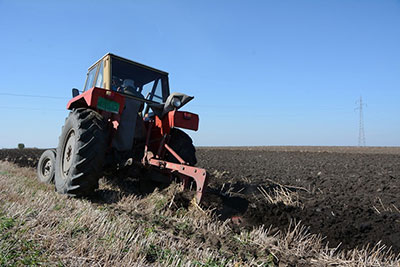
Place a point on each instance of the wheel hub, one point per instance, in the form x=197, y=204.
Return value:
x=46, y=168
x=68, y=153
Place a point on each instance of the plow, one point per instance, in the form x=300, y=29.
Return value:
x=124, y=118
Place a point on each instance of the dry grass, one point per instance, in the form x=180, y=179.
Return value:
x=281, y=195
x=385, y=208
x=39, y=226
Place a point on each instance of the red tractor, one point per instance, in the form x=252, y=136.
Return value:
x=125, y=116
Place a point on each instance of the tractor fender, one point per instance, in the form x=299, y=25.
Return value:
x=90, y=98
x=177, y=119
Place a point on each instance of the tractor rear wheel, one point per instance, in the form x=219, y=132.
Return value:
x=45, y=168
x=80, y=153
x=182, y=144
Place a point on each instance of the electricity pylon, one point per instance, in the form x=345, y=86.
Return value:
x=361, y=133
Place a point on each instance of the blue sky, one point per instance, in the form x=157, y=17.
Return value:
x=262, y=72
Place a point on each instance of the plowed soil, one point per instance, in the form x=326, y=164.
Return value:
x=349, y=195
x=27, y=157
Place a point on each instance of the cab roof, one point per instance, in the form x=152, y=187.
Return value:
x=130, y=62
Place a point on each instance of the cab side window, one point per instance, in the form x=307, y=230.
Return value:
x=90, y=78
x=153, y=91
x=99, y=82
x=157, y=96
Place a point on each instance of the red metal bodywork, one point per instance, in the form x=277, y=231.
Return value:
x=154, y=154
x=178, y=119
x=158, y=130
x=161, y=127
x=158, y=133
x=89, y=99
x=185, y=172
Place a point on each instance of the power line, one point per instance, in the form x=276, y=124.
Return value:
x=37, y=96
x=32, y=108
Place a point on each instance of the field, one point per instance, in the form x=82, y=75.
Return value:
x=267, y=206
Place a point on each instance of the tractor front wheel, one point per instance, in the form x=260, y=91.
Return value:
x=80, y=153
x=45, y=168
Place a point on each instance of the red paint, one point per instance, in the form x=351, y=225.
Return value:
x=237, y=220
x=174, y=154
x=154, y=155
x=183, y=119
x=89, y=99
x=199, y=175
x=162, y=125
x=177, y=119
x=154, y=136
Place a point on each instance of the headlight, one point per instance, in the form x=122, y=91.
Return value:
x=176, y=102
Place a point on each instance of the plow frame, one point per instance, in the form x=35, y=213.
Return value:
x=182, y=169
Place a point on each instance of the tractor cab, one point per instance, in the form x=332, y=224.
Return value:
x=112, y=80
x=122, y=75
x=130, y=94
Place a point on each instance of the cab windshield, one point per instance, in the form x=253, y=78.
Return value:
x=150, y=84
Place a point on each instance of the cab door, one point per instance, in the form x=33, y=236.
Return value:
x=95, y=77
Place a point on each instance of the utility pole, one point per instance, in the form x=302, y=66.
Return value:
x=361, y=133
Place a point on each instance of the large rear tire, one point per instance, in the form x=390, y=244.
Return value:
x=182, y=144
x=80, y=153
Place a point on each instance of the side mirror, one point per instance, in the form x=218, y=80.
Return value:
x=75, y=92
